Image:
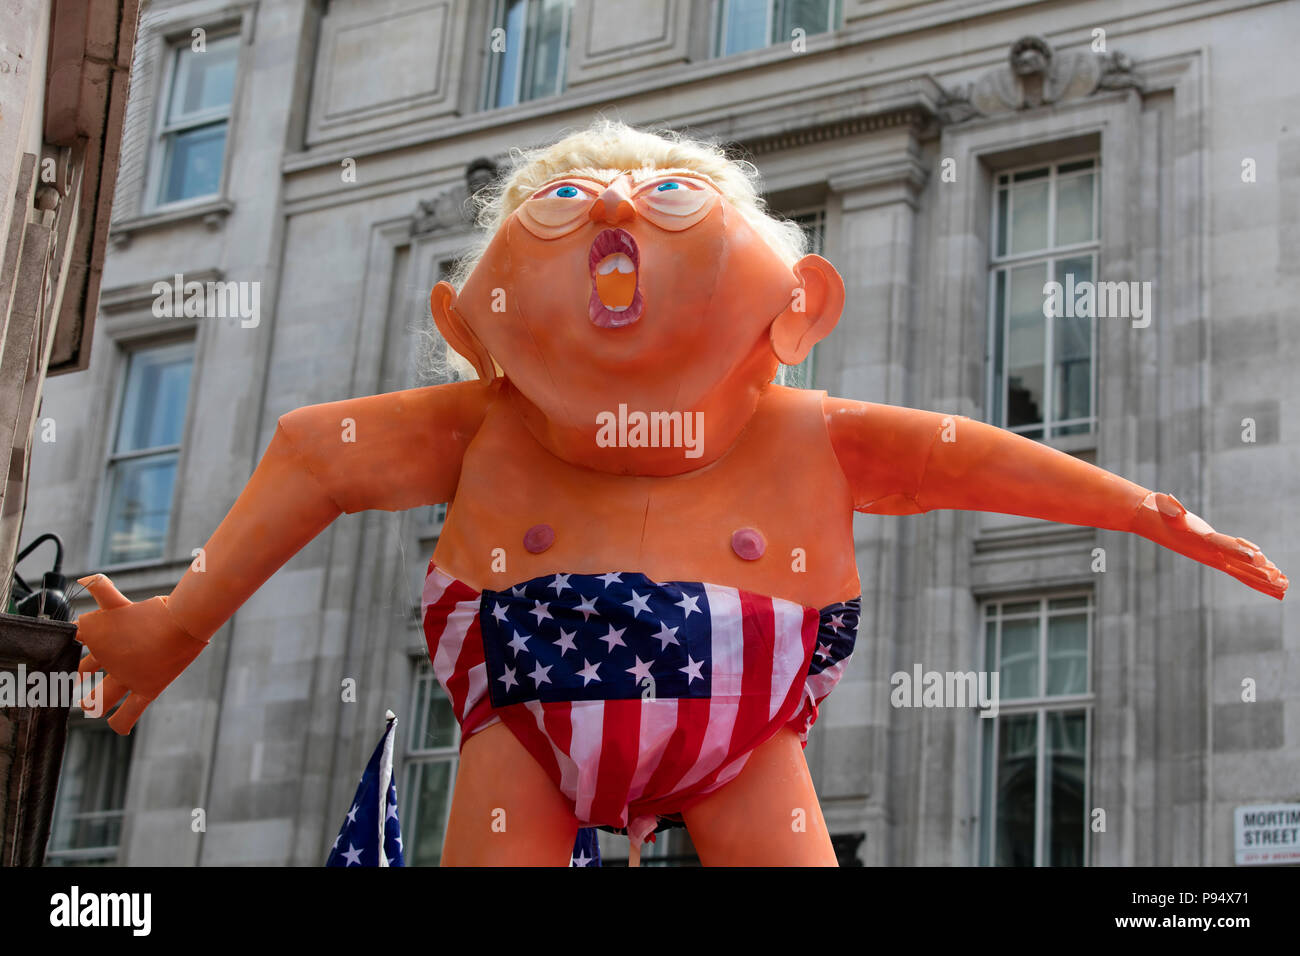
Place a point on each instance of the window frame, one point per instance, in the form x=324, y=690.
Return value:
x=126, y=349
x=819, y=214
x=493, y=62
x=82, y=856
x=412, y=757
x=162, y=131
x=834, y=20
x=1041, y=705
x=995, y=325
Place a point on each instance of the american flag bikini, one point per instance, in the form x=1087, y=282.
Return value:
x=637, y=697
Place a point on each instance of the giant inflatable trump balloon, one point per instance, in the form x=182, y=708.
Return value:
x=646, y=582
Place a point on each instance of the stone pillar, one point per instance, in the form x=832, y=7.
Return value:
x=873, y=250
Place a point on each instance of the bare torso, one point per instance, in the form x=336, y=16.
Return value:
x=780, y=477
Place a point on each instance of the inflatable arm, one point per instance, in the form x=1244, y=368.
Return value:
x=386, y=452
x=904, y=461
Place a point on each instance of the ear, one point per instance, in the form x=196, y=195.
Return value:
x=814, y=309
x=454, y=328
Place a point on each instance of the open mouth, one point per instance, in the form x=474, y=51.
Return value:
x=615, y=293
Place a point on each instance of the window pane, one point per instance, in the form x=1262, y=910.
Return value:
x=811, y=16
x=1066, y=604
x=1026, y=175
x=813, y=225
x=204, y=81
x=439, y=728
x=544, y=48
x=1019, y=664
x=1072, y=343
x=1017, y=769
x=1074, y=210
x=1029, y=217
x=999, y=343
x=1027, y=346
x=430, y=782
x=153, y=406
x=1067, y=654
x=1003, y=224
x=797, y=376
x=671, y=848
x=419, y=709
x=508, y=61
x=1066, y=815
x=744, y=25
x=986, y=791
x=434, y=723
x=1021, y=607
x=193, y=164
x=139, y=506
x=91, y=798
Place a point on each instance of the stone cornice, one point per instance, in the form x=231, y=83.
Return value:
x=882, y=182
x=914, y=116
x=140, y=295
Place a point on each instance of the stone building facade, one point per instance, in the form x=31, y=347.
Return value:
x=948, y=158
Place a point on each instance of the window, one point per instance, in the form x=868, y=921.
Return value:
x=431, y=756
x=529, y=44
x=672, y=847
x=435, y=516
x=91, y=799
x=1034, y=791
x=813, y=223
x=753, y=24
x=1045, y=228
x=195, y=120
x=146, y=446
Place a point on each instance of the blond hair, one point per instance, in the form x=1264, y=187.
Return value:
x=608, y=145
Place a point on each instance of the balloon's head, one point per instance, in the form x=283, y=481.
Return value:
x=626, y=264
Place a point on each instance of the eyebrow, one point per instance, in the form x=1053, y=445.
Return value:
x=640, y=175
x=671, y=171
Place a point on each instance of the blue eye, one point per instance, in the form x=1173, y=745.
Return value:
x=668, y=185
x=566, y=192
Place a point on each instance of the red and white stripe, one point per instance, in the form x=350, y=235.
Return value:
x=620, y=760
x=450, y=612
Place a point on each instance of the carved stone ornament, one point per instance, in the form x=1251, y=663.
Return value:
x=446, y=210
x=451, y=208
x=1037, y=75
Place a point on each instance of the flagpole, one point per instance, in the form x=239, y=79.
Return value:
x=385, y=782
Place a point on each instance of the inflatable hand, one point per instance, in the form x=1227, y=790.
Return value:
x=1164, y=520
x=140, y=647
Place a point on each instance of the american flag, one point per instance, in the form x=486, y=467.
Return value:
x=371, y=833
x=835, y=639
x=634, y=695
x=586, y=848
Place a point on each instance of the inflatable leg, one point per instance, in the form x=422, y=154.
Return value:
x=505, y=811
x=767, y=816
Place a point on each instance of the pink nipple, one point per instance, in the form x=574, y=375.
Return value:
x=748, y=543
x=538, y=538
